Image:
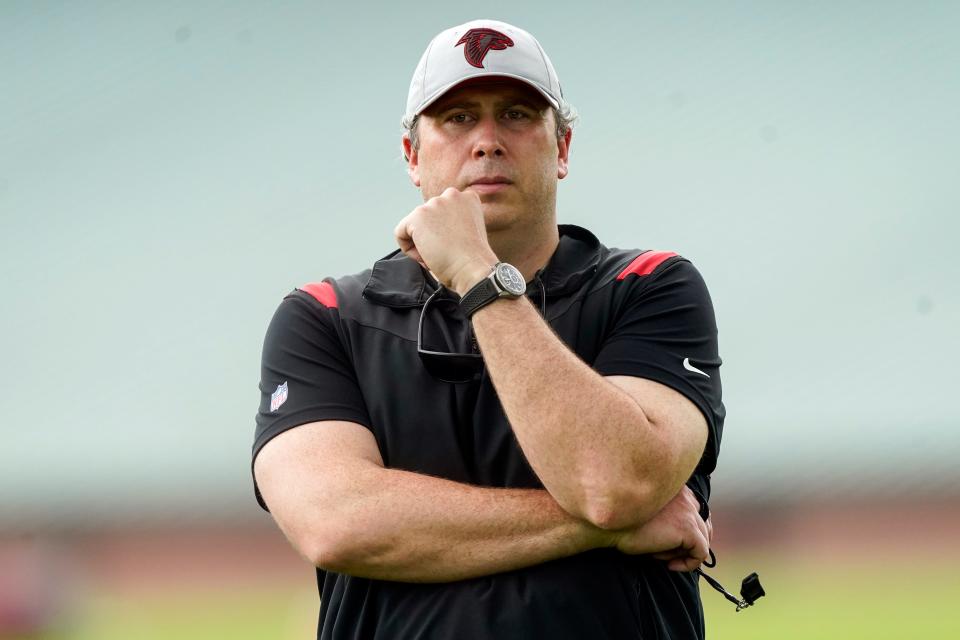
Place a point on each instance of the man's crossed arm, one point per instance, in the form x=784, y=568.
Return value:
x=330, y=494
x=611, y=450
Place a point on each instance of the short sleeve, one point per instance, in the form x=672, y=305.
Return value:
x=305, y=373
x=664, y=329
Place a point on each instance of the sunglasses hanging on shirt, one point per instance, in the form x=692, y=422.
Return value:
x=456, y=368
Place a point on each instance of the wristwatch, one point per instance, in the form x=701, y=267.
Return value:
x=504, y=281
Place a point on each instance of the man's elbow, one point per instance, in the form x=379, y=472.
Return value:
x=322, y=553
x=622, y=507
x=633, y=497
x=325, y=542
x=330, y=548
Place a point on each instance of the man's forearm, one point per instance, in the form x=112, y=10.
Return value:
x=329, y=492
x=604, y=452
x=403, y=526
x=589, y=442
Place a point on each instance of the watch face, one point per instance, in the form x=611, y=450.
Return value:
x=511, y=279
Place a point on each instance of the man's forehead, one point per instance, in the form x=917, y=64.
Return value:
x=506, y=89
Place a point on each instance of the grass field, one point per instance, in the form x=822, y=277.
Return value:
x=876, y=598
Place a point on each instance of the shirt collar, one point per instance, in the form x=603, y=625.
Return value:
x=398, y=281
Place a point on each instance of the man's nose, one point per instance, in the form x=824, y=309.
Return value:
x=487, y=141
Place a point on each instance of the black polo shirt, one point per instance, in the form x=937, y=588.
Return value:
x=345, y=349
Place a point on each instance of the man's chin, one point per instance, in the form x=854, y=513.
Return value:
x=497, y=215
x=493, y=201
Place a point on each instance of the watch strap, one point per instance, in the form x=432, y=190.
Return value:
x=479, y=296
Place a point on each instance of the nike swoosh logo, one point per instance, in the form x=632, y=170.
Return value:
x=690, y=367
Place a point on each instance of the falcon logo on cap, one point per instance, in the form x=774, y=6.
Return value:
x=478, y=42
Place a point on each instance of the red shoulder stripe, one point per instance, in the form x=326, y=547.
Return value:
x=323, y=292
x=645, y=263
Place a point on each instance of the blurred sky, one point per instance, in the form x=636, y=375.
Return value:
x=169, y=171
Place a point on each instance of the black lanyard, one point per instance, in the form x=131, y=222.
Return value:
x=750, y=591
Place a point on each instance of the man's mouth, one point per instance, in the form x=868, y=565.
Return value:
x=490, y=184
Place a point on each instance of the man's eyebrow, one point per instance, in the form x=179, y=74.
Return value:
x=521, y=101
x=446, y=106
x=510, y=101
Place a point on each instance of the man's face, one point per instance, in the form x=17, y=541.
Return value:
x=495, y=136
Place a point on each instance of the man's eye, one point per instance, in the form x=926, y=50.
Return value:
x=459, y=118
x=514, y=114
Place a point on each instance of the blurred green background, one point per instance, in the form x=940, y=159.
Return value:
x=168, y=171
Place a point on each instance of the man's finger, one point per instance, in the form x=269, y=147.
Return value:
x=402, y=230
x=670, y=554
x=413, y=254
x=701, y=548
x=705, y=530
x=684, y=564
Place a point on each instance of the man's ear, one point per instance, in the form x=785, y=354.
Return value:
x=563, y=154
x=413, y=159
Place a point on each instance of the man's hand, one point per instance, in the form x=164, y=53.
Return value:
x=677, y=534
x=447, y=235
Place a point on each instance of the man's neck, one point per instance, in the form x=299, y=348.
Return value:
x=527, y=251
x=529, y=255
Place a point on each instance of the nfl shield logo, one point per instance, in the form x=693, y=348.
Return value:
x=279, y=397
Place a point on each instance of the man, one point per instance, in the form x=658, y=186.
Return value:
x=503, y=429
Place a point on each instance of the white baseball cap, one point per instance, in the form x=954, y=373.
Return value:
x=477, y=49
